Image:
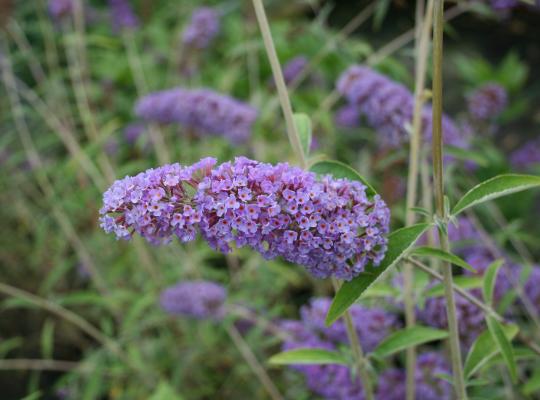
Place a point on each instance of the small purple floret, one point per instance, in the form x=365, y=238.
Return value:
x=196, y=299
x=202, y=29
x=487, y=102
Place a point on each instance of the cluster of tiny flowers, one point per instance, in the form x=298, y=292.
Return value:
x=392, y=383
x=388, y=106
x=487, y=102
x=527, y=155
x=202, y=110
x=59, y=9
x=329, y=226
x=195, y=299
x=470, y=317
x=155, y=204
x=335, y=381
x=122, y=15
x=202, y=29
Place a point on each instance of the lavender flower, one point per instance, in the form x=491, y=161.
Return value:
x=196, y=299
x=202, y=29
x=202, y=110
x=487, y=102
x=348, y=116
x=155, y=204
x=388, y=106
x=527, y=155
x=329, y=226
x=293, y=68
x=122, y=15
x=59, y=9
x=470, y=317
x=392, y=384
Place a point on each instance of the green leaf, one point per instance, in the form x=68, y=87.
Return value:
x=339, y=170
x=442, y=255
x=47, y=339
x=304, y=129
x=399, y=243
x=406, y=338
x=484, y=349
x=504, y=345
x=501, y=185
x=463, y=281
x=307, y=356
x=381, y=10
x=490, y=277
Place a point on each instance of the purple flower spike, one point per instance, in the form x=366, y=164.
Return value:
x=329, y=226
x=155, y=204
x=487, y=102
x=122, y=15
x=202, y=29
x=388, y=107
x=527, y=155
x=348, y=116
x=196, y=299
x=203, y=110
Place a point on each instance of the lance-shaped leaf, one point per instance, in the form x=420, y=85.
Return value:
x=304, y=129
x=399, y=243
x=504, y=345
x=484, y=349
x=307, y=356
x=490, y=278
x=406, y=338
x=339, y=170
x=493, y=188
x=442, y=255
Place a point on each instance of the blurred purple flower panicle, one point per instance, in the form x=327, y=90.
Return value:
x=203, y=110
x=527, y=155
x=202, y=29
x=388, y=107
x=196, y=299
x=122, y=15
x=487, y=102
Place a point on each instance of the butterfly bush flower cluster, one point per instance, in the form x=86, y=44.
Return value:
x=388, y=107
x=196, y=299
x=526, y=156
x=330, y=226
x=156, y=204
x=202, y=29
x=335, y=381
x=201, y=110
x=487, y=102
x=429, y=365
x=348, y=116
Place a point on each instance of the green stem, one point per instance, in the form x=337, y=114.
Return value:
x=437, y=143
x=292, y=132
x=358, y=353
x=254, y=364
x=423, y=27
